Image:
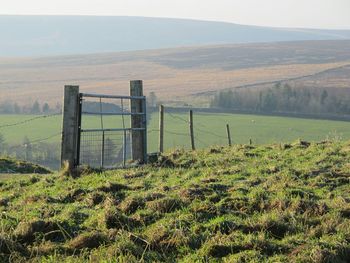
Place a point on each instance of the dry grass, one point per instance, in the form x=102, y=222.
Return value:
x=172, y=73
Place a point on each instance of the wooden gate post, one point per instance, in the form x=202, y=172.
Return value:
x=69, y=147
x=138, y=137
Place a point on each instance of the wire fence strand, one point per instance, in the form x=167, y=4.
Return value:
x=177, y=117
x=197, y=124
x=35, y=141
x=29, y=120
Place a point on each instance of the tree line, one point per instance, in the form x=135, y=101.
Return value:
x=285, y=98
x=9, y=107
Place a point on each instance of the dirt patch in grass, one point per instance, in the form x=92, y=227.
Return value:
x=7, y=247
x=164, y=162
x=137, y=174
x=88, y=240
x=165, y=205
x=167, y=237
x=195, y=192
x=219, y=251
x=203, y=211
x=112, y=187
x=75, y=195
x=153, y=196
x=209, y=180
x=345, y=213
x=26, y=232
x=131, y=205
x=95, y=198
x=116, y=219
x=4, y=201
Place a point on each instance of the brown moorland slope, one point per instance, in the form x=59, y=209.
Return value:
x=176, y=74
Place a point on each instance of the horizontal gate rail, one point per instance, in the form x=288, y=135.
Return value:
x=111, y=130
x=89, y=95
x=113, y=113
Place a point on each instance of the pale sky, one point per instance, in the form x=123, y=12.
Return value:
x=333, y=14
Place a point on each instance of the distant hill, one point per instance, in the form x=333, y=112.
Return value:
x=63, y=35
x=180, y=74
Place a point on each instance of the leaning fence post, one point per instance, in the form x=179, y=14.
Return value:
x=138, y=121
x=69, y=147
x=161, y=128
x=191, y=130
x=228, y=134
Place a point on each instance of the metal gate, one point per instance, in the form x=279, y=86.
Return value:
x=105, y=132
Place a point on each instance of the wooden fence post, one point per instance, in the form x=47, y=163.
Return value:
x=138, y=137
x=191, y=130
x=228, y=134
x=161, y=128
x=69, y=147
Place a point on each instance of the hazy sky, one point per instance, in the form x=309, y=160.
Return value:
x=281, y=13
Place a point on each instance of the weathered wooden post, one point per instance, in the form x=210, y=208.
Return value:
x=191, y=130
x=161, y=128
x=138, y=122
x=228, y=134
x=69, y=147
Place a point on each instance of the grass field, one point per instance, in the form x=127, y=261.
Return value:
x=210, y=129
x=267, y=203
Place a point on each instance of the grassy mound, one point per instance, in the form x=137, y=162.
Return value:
x=277, y=203
x=8, y=165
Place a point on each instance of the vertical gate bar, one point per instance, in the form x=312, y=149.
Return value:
x=101, y=117
x=103, y=149
x=80, y=103
x=124, y=148
x=124, y=135
x=144, y=110
x=191, y=130
x=103, y=136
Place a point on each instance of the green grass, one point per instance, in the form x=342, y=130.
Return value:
x=210, y=129
x=8, y=165
x=268, y=203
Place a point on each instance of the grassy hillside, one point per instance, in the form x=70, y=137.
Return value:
x=11, y=166
x=272, y=203
x=175, y=75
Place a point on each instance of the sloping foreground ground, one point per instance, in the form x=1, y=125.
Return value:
x=10, y=166
x=278, y=203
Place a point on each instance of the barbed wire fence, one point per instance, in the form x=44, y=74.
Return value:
x=179, y=129
x=28, y=120
x=180, y=132
x=21, y=149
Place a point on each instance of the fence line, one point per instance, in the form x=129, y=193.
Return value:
x=199, y=128
x=195, y=128
x=29, y=120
